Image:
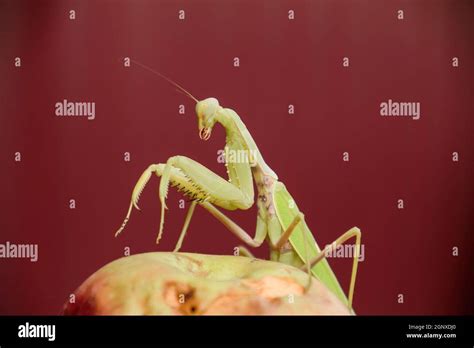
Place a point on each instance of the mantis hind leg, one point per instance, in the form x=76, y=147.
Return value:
x=353, y=232
x=284, y=239
x=291, y=228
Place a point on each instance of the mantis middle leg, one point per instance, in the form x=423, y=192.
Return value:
x=187, y=220
x=308, y=264
x=239, y=232
x=261, y=228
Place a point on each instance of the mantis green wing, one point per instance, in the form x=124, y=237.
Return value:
x=287, y=210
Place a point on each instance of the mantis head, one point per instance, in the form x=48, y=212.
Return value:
x=206, y=111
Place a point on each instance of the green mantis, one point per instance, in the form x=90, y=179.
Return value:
x=279, y=220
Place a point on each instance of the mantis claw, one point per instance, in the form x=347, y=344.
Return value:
x=140, y=185
x=137, y=191
x=163, y=193
x=124, y=223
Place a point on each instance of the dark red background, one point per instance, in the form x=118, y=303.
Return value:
x=282, y=62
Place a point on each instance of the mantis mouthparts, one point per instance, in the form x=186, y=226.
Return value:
x=205, y=133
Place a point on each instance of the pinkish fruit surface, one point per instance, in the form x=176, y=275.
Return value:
x=195, y=284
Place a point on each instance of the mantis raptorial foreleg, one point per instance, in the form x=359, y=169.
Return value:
x=198, y=182
x=353, y=232
x=179, y=179
x=205, y=186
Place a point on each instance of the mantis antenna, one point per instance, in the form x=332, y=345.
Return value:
x=181, y=89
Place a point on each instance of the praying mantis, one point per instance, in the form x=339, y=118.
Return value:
x=279, y=220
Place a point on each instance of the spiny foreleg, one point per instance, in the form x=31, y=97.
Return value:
x=196, y=181
x=178, y=180
x=206, y=186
